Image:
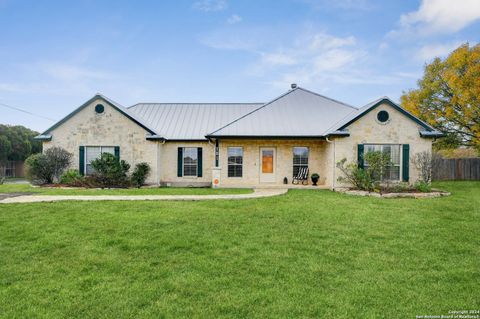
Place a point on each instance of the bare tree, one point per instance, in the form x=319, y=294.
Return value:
x=425, y=162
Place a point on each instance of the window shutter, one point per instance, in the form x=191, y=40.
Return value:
x=405, y=162
x=200, y=162
x=81, y=160
x=360, y=155
x=117, y=152
x=180, y=162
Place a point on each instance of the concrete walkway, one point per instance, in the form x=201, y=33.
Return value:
x=257, y=193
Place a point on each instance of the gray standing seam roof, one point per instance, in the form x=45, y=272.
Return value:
x=298, y=112
x=189, y=121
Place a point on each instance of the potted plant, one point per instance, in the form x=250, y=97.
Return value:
x=315, y=177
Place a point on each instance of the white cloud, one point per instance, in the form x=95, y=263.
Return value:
x=323, y=41
x=430, y=51
x=210, y=5
x=440, y=16
x=234, y=18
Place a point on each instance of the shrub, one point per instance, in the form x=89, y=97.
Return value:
x=72, y=178
x=47, y=168
x=59, y=159
x=355, y=176
x=423, y=187
x=38, y=169
x=140, y=174
x=365, y=178
x=109, y=171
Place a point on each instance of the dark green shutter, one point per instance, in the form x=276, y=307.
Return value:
x=405, y=162
x=81, y=160
x=180, y=162
x=117, y=152
x=200, y=162
x=360, y=155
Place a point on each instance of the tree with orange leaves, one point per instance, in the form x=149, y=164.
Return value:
x=448, y=96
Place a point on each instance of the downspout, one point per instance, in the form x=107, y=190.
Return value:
x=333, y=164
x=159, y=161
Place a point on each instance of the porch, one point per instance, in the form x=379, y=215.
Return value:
x=271, y=163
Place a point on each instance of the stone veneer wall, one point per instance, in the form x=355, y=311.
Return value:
x=284, y=160
x=110, y=128
x=169, y=162
x=368, y=130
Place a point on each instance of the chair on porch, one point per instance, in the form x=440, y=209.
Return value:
x=302, y=176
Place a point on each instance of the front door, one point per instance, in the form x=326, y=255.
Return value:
x=267, y=165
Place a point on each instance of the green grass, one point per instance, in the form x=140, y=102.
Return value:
x=308, y=253
x=14, y=188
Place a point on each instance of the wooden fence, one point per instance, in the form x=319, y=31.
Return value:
x=456, y=169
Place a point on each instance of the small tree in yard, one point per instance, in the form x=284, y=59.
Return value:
x=110, y=172
x=368, y=178
x=48, y=167
x=353, y=175
x=59, y=160
x=425, y=162
x=140, y=174
x=378, y=163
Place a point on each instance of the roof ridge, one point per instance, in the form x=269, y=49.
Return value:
x=199, y=103
x=328, y=98
x=251, y=112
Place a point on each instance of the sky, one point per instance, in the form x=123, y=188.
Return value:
x=55, y=55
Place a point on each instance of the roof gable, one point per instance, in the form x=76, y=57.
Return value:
x=46, y=135
x=297, y=113
x=342, y=125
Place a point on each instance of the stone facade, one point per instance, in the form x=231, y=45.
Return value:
x=399, y=129
x=111, y=128
x=283, y=160
x=169, y=162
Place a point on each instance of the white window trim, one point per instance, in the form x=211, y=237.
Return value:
x=86, y=151
x=183, y=164
x=293, y=157
x=400, y=174
x=243, y=156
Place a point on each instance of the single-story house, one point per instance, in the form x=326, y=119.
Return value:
x=243, y=144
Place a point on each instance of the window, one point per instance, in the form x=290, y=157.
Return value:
x=382, y=116
x=190, y=161
x=94, y=152
x=300, y=159
x=392, y=173
x=235, y=161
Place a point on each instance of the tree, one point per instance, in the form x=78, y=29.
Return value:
x=47, y=168
x=448, y=96
x=17, y=142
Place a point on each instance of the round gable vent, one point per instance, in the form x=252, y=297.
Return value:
x=383, y=116
x=99, y=108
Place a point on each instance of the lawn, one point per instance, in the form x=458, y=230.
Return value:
x=308, y=253
x=14, y=188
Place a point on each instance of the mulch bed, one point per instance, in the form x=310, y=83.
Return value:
x=407, y=194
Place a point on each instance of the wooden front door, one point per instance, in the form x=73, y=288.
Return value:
x=267, y=165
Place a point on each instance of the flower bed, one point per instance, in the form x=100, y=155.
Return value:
x=407, y=194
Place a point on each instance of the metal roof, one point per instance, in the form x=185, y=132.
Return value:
x=297, y=113
x=189, y=121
